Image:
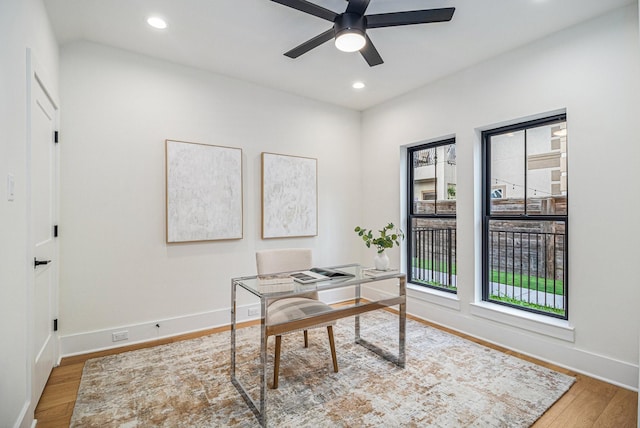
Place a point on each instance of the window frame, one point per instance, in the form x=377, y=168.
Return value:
x=487, y=216
x=412, y=215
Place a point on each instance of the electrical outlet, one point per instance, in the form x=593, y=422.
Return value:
x=120, y=335
x=252, y=312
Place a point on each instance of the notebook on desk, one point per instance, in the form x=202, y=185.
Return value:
x=373, y=272
x=318, y=274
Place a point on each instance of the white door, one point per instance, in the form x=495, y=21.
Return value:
x=43, y=172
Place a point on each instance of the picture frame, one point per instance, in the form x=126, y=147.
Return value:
x=204, y=199
x=289, y=196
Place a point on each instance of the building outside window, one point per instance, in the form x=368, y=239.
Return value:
x=431, y=242
x=526, y=216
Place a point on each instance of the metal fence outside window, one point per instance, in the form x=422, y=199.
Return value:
x=434, y=257
x=527, y=268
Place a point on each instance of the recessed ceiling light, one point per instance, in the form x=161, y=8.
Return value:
x=358, y=85
x=157, y=22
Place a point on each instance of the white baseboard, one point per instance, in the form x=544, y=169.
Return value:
x=541, y=347
x=100, y=340
x=25, y=418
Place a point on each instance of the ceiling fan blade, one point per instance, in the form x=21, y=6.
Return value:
x=357, y=6
x=310, y=44
x=370, y=53
x=310, y=8
x=410, y=17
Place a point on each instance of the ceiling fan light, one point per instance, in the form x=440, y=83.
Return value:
x=157, y=22
x=350, y=41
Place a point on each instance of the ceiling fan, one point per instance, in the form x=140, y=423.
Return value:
x=350, y=27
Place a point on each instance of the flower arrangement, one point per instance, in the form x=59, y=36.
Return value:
x=388, y=236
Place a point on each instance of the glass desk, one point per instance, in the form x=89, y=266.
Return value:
x=358, y=305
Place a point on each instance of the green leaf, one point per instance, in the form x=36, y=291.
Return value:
x=383, y=240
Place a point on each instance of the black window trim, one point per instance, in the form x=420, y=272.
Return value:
x=486, y=211
x=410, y=208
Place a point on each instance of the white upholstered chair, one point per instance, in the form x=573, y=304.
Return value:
x=281, y=310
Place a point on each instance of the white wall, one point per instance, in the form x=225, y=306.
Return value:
x=117, y=109
x=592, y=71
x=116, y=269
x=23, y=24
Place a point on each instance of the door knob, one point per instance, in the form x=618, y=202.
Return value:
x=37, y=263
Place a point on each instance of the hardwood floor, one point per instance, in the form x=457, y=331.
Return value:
x=589, y=402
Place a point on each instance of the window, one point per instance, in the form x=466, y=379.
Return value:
x=525, y=216
x=431, y=242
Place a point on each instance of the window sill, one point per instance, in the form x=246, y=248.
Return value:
x=448, y=300
x=559, y=329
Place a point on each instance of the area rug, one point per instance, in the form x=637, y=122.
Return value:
x=448, y=382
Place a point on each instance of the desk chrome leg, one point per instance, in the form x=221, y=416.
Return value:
x=233, y=330
x=263, y=362
x=400, y=359
x=402, y=320
x=357, y=321
x=258, y=409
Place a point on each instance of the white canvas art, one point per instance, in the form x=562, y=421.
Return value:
x=204, y=192
x=289, y=196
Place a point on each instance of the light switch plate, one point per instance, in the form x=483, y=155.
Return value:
x=11, y=187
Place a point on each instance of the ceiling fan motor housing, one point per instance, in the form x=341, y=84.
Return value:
x=351, y=22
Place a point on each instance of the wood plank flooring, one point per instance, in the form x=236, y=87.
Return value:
x=589, y=402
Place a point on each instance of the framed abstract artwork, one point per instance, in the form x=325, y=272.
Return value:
x=289, y=196
x=203, y=192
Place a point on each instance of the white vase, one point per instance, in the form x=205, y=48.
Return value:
x=381, y=261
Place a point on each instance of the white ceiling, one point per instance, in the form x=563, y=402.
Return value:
x=246, y=39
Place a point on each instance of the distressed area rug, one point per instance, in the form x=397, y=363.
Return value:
x=448, y=382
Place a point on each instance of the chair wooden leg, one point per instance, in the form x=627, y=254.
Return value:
x=333, y=348
x=276, y=362
x=306, y=339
